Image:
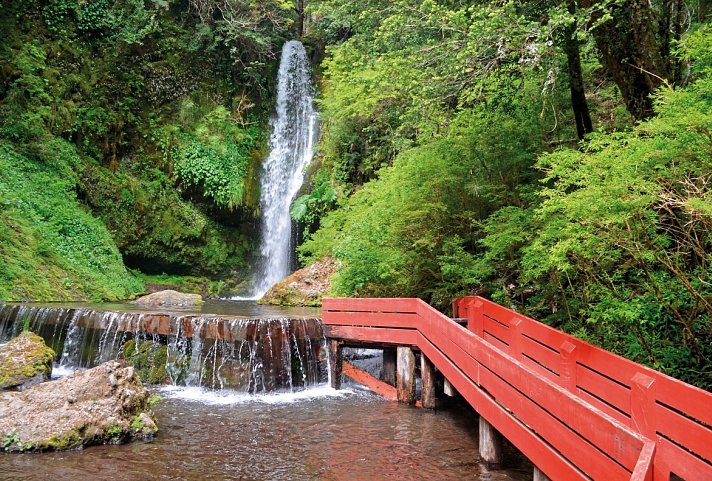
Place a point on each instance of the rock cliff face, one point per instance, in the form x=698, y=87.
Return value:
x=103, y=405
x=24, y=362
x=305, y=287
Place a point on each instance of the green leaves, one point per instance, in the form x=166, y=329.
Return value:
x=215, y=157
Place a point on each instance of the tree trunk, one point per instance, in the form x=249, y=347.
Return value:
x=630, y=51
x=578, y=92
x=300, y=17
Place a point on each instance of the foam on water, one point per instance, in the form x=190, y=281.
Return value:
x=226, y=397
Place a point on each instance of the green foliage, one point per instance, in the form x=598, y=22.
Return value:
x=393, y=234
x=308, y=209
x=214, y=157
x=50, y=247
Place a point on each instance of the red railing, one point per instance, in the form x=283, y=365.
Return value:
x=577, y=411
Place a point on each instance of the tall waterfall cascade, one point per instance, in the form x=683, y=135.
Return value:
x=294, y=129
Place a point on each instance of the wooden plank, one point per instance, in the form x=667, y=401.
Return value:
x=603, y=389
x=670, y=457
x=564, y=439
x=528, y=442
x=684, y=431
x=372, y=319
x=606, y=433
x=369, y=304
x=600, y=431
x=371, y=334
x=365, y=379
x=389, y=366
x=497, y=330
x=539, y=353
x=644, y=467
x=692, y=401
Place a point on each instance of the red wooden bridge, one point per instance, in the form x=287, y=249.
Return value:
x=576, y=411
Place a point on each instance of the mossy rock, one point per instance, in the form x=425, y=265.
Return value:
x=25, y=361
x=148, y=359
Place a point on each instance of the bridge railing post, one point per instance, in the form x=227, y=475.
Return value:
x=642, y=405
x=475, y=317
x=569, y=356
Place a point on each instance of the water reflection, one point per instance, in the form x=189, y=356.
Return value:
x=349, y=436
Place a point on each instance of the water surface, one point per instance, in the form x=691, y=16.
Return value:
x=328, y=435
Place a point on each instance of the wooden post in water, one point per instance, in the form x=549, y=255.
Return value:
x=539, y=476
x=427, y=382
x=389, y=367
x=490, y=444
x=336, y=362
x=449, y=388
x=405, y=375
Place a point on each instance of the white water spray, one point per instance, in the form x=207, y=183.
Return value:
x=291, y=149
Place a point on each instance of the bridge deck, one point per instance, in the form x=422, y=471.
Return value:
x=577, y=411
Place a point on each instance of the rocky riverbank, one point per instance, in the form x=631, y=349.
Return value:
x=104, y=405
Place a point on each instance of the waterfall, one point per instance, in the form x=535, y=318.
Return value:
x=249, y=355
x=291, y=149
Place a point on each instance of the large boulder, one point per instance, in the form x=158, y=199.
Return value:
x=24, y=362
x=305, y=287
x=104, y=405
x=169, y=298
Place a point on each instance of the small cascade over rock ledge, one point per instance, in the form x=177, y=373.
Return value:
x=219, y=352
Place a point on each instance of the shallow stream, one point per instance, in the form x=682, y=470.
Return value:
x=319, y=434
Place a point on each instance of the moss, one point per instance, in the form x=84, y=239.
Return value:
x=148, y=360
x=23, y=358
x=114, y=433
x=69, y=440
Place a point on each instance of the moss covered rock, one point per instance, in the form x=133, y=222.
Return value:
x=24, y=362
x=104, y=405
x=148, y=359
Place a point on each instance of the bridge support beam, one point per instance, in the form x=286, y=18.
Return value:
x=539, y=476
x=427, y=382
x=449, y=388
x=405, y=375
x=389, y=367
x=336, y=362
x=491, y=442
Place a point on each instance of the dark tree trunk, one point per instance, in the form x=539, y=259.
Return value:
x=631, y=52
x=578, y=92
x=300, y=17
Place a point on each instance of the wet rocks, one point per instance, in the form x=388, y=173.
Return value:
x=305, y=287
x=104, y=405
x=169, y=298
x=24, y=362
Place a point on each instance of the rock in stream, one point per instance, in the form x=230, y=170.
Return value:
x=104, y=405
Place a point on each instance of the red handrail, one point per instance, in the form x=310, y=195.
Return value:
x=577, y=411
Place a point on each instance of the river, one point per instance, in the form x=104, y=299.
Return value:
x=319, y=434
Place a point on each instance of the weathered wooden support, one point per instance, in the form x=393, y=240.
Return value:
x=490, y=444
x=389, y=367
x=336, y=362
x=405, y=375
x=427, y=382
x=539, y=476
x=449, y=388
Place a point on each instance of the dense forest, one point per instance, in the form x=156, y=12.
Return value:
x=553, y=156
x=131, y=132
